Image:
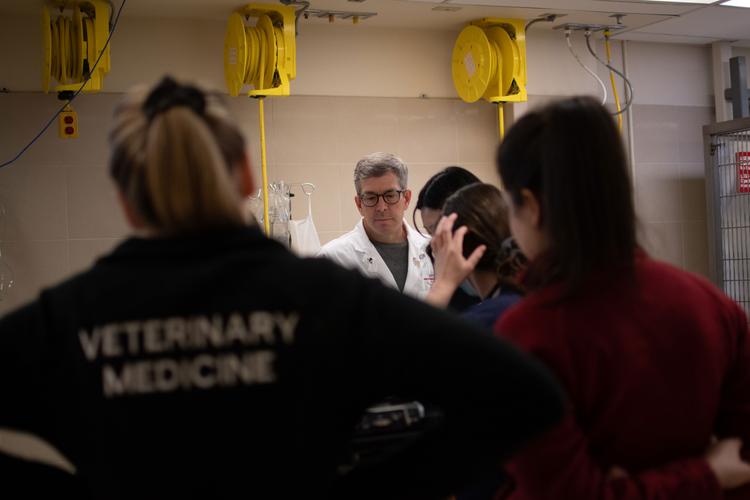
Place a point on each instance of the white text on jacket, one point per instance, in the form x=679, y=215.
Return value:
x=188, y=353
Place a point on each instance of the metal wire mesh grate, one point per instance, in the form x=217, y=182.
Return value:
x=728, y=167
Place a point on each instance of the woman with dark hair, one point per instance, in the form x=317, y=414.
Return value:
x=201, y=359
x=656, y=361
x=436, y=190
x=481, y=214
x=482, y=252
x=430, y=201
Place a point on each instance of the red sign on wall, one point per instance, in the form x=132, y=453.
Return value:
x=743, y=171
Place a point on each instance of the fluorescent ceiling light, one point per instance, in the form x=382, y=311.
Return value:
x=737, y=3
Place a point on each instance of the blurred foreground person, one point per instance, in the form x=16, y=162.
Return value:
x=655, y=360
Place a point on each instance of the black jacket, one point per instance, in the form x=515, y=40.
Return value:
x=222, y=366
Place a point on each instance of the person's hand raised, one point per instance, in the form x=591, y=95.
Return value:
x=451, y=267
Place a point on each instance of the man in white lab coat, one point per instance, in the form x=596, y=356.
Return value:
x=382, y=244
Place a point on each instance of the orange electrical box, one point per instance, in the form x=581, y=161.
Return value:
x=68, y=124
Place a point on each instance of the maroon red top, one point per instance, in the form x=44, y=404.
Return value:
x=654, y=366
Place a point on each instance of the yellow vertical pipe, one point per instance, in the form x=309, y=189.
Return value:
x=612, y=80
x=264, y=167
x=501, y=127
x=501, y=120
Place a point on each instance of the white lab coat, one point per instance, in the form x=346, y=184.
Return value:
x=354, y=250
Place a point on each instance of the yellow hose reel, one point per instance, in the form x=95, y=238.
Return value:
x=262, y=55
x=489, y=61
x=72, y=43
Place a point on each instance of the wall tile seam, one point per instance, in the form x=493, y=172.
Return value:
x=305, y=164
x=694, y=220
x=35, y=240
x=669, y=163
x=681, y=263
x=68, y=265
x=367, y=96
x=103, y=238
x=108, y=237
x=655, y=164
x=456, y=133
x=662, y=105
x=229, y=99
x=461, y=160
x=409, y=97
x=683, y=247
x=346, y=96
x=645, y=179
x=668, y=221
x=394, y=96
x=705, y=104
x=67, y=220
x=439, y=164
x=26, y=163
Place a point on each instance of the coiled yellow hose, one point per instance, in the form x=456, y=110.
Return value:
x=66, y=56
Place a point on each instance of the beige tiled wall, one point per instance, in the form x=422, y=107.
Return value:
x=62, y=213
x=670, y=185
x=61, y=208
x=320, y=139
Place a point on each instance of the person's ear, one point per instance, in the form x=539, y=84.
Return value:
x=407, y=198
x=358, y=202
x=246, y=182
x=131, y=215
x=532, y=207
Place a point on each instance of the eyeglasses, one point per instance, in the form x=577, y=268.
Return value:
x=391, y=197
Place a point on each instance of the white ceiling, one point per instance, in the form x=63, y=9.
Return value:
x=646, y=21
